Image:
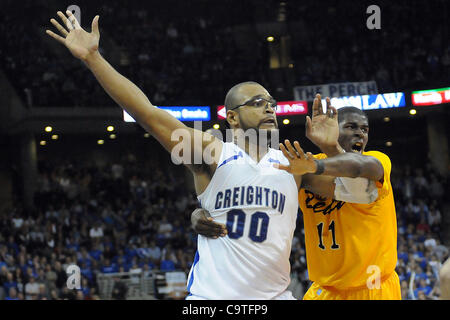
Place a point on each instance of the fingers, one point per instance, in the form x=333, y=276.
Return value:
x=308, y=126
x=73, y=20
x=209, y=228
x=285, y=152
x=291, y=149
x=299, y=149
x=331, y=111
x=94, y=26
x=66, y=22
x=315, y=108
x=281, y=167
x=328, y=107
x=309, y=156
x=55, y=36
x=60, y=28
x=317, y=105
x=335, y=112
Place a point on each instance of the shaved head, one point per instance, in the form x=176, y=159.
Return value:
x=235, y=94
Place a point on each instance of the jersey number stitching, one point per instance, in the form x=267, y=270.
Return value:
x=236, y=222
x=333, y=235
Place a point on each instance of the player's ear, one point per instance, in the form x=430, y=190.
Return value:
x=232, y=118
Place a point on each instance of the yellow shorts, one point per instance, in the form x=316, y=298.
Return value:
x=389, y=290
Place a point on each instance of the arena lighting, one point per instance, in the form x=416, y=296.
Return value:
x=43, y=143
x=55, y=137
x=412, y=111
x=286, y=121
x=430, y=97
x=216, y=126
x=112, y=136
x=48, y=129
x=110, y=128
x=388, y=143
x=386, y=119
x=146, y=135
x=100, y=141
x=270, y=39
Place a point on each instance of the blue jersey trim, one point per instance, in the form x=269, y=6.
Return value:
x=191, y=278
x=235, y=157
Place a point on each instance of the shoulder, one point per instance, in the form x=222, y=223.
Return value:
x=382, y=157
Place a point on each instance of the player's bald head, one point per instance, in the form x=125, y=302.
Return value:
x=241, y=92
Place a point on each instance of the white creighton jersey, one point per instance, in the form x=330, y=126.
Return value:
x=258, y=204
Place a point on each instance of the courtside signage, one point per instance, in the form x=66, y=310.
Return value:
x=430, y=97
x=285, y=108
x=370, y=101
x=188, y=113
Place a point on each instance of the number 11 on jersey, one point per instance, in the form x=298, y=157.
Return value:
x=333, y=235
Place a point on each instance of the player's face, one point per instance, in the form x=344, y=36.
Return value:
x=258, y=114
x=353, y=132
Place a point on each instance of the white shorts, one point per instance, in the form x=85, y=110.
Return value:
x=286, y=295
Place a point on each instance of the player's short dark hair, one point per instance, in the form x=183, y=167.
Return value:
x=342, y=112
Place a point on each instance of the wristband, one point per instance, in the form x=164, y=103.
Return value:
x=320, y=167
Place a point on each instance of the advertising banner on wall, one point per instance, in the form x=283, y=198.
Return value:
x=430, y=97
x=182, y=113
x=285, y=108
x=370, y=102
x=331, y=90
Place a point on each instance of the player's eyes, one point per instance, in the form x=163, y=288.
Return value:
x=259, y=103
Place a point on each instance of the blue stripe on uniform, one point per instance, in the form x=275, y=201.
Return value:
x=191, y=278
x=235, y=157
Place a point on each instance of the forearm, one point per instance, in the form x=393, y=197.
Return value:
x=124, y=92
x=353, y=165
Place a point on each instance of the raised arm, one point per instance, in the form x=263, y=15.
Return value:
x=159, y=123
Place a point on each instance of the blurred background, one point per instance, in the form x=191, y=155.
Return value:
x=79, y=185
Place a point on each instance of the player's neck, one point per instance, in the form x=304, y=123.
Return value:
x=255, y=149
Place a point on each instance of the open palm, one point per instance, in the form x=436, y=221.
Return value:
x=299, y=162
x=323, y=128
x=79, y=42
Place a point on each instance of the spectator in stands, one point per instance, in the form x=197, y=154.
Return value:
x=12, y=295
x=32, y=289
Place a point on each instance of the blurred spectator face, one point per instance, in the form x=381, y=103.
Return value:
x=12, y=292
x=421, y=295
x=80, y=295
x=404, y=285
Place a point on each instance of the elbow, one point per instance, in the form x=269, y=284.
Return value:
x=355, y=169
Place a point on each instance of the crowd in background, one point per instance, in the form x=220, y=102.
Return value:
x=128, y=215
x=131, y=215
x=177, y=58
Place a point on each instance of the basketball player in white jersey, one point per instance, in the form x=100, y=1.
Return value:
x=241, y=189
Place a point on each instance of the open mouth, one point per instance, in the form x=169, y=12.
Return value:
x=357, y=147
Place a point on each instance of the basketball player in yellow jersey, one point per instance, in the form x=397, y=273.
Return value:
x=351, y=249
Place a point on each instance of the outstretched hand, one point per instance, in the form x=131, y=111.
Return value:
x=299, y=162
x=80, y=43
x=323, y=128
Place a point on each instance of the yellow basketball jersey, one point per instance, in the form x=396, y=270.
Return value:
x=348, y=245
